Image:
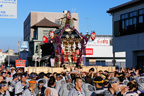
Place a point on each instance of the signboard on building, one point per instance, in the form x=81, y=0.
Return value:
x=24, y=55
x=20, y=63
x=24, y=45
x=8, y=8
x=99, y=47
x=99, y=41
x=89, y=51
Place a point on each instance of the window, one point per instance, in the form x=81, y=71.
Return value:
x=141, y=11
x=123, y=24
x=140, y=19
x=134, y=13
x=100, y=63
x=36, y=35
x=46, y=33
x=57, y=21
x=131, y=22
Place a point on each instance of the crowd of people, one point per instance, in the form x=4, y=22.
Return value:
x=123, y=82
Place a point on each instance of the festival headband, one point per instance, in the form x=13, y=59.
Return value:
x=106, y=81
x=32, y=81
x=111, y=82
x=3, y=73
x=98, y=81
x=120, y=75
x=132, y=82
x=23, y=76
x=40, y=84
x=2, y=85
x=33, y=75
x=15, y=77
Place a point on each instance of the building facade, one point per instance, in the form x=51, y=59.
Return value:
x=128, y=31
x=35, y=17
x=8, y=57
x=100, y=52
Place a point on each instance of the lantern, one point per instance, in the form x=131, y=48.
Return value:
x=77, y=51
x=62, y=51
x=44, y=39
x=93, y=35
x=52, y=34
x=68, y=15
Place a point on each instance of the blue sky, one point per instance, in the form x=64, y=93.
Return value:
x=11, y=30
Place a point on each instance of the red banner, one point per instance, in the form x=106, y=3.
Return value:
x=20, y=63
x=89, y=51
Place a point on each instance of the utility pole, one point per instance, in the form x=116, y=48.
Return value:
x=87, y=24
x=8, y=57
x=18, y=47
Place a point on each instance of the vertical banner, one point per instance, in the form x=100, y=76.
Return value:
x=52, y=60
x=8, y=8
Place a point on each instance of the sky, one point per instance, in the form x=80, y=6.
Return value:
x=92, y=17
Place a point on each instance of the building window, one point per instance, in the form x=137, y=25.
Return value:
x=46, y=33
x=141, y=11
x=132, y=14
x=132, y=22
x=36, y=35
x=140, y=19
x=57, y=21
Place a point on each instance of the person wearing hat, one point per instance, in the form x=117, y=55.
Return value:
x=30, y=90
x=65, y=89
x=77, y=90
x=4, y=89
x=21, y=85
x=13, y=71
x=114, y=88
x=98, y=82
x=39, y=90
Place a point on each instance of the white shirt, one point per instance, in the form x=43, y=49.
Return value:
x=53, y=92
x=28, y=92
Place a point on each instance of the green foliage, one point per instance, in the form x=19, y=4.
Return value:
x=38, y=49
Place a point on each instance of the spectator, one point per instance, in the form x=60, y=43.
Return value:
x=21, y=85
x=40, y=88
x=51, y=91
x=77, y=90
x=113, y=89
x=30, y=90
x=98, y=82
x=4, y=89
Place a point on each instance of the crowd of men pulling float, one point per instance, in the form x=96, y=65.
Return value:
x=123, y=82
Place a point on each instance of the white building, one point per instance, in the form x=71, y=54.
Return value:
x=100, y=52
x=128, y=31
x=3, y=55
